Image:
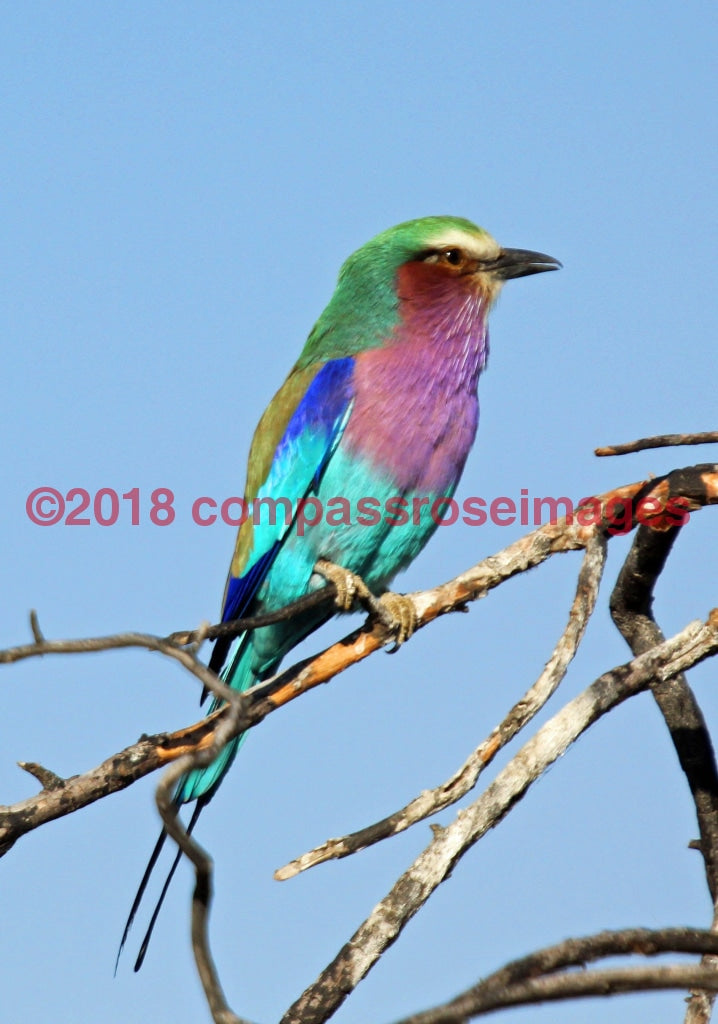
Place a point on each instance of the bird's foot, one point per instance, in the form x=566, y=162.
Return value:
x=349, y=586
x=398, y=614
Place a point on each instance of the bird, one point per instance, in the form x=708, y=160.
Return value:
x=381, y=408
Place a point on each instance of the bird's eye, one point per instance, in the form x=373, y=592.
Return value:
x=453, y=256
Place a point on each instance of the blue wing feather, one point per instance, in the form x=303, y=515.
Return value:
x=300, y=459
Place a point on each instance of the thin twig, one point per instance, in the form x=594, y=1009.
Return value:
x=325, y=596
x=47, y=779
x=35, y=627
x=659, y=441
x=116, y=641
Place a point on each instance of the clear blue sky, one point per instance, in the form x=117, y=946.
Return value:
x=180, y=183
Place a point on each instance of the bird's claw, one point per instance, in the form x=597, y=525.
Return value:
x=349, y=586
x=396, y=612
x=399, y=616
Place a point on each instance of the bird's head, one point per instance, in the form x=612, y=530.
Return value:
x=452, y=247
x=413, y=262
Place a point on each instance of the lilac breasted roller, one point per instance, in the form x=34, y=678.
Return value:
x=374, y=421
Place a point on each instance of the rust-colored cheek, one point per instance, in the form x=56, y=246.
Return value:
x=433, y=281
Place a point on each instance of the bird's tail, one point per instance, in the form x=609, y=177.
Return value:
x=200, y=784
x=143, y=885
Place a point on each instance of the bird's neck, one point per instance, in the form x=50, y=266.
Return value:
x=416, y=406
x=443, y=326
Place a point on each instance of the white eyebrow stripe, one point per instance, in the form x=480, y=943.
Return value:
x=478, y=246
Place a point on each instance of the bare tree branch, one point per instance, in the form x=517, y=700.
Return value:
x=536, y=978
x=698, y=484
x=431, y=801
x=59, y=797
x=112, y=775
x=533, y=979
x=655, y=664
x=116, y=641
x=631, y=607
x=152, y=752
x=202, y=895
x=383, y=926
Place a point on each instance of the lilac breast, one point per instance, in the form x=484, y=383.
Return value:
x=416, y=407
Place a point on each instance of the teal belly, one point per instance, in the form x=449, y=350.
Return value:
x=376, y=551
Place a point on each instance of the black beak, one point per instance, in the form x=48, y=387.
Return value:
x=520, y=263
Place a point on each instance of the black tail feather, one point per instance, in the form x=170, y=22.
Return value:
x=140, y=893
x=143, y=885
x=155, y=913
